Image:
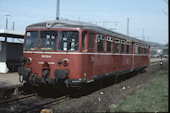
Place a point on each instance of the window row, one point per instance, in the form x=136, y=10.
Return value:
x=112, y=44
x=141, y=49
x=119, y=46
x=69, y=41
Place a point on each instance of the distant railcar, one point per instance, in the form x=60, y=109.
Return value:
x=75, y=53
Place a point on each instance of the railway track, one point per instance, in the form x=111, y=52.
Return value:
x=33, y=102
x=22, y=98
x=40, y=106
x=28, y=103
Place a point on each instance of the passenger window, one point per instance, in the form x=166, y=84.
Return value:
x=84, y=38
x=109, y=44
x=100, y=43
x=139, y=49
x=117, y=42
x=127, y=47
x=122, y=46
x=91, y=41
x=145, y=50
x=136, y=48
x=142, y=49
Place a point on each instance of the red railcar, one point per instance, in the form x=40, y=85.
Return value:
x=75, y=53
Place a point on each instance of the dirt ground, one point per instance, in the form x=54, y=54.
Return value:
x=102, y=99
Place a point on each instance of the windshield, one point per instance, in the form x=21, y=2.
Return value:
x=48, y=40
x=31, y=40
x=69, y=41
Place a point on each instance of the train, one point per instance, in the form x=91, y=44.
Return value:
x=75, y=53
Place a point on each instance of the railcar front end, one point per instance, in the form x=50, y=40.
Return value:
x=51, y=56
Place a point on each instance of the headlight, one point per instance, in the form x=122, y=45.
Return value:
x=29, y=60
x=65, y=62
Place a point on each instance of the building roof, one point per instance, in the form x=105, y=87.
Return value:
x=64, y=23
x=11, y=34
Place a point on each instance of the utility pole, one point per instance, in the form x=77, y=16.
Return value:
x=7, y=21
x=13, y=26
x=58, y=10
x=127, y=26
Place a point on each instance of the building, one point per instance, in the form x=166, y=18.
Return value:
x=11, y=46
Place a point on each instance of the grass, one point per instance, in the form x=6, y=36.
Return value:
x=153, y=99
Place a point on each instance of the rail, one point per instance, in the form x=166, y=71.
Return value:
x=18, y=99
x=54, y=101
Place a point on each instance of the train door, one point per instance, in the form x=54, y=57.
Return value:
x=91, y=38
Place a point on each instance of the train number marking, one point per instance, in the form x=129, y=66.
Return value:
x=45, y=56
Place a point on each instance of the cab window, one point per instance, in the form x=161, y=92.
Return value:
x=48, y=40
x=69, y=41
x=31, y=40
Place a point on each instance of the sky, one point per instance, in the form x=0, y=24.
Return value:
x=148, y=18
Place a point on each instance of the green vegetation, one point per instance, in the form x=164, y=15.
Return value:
x=153, y=99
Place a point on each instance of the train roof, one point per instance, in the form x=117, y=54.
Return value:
x=64, y=23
